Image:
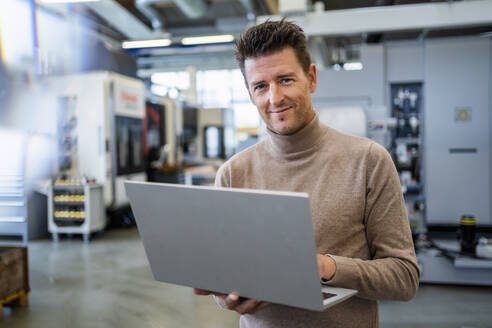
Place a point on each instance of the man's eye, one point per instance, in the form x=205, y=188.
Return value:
x=259, y=86
x=287, y=80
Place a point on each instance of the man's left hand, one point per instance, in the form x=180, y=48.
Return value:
x=327, y=266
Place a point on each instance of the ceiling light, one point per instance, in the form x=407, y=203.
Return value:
x=66, y=1
x=354, y=66
x=208, y=39
x=145, y=44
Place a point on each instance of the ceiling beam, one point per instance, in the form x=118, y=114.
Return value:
x=203, y=61
x=121, y=19
x=144, y=6
x=394, y=18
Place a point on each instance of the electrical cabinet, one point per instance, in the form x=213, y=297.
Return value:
x=457, y=131
x=406, y=99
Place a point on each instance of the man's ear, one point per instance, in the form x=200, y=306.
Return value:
x=312, y=78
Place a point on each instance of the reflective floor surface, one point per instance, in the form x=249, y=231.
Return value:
x=108, y=283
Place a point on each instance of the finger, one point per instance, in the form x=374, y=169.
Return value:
x=260, y=306
x=247, y=306
x=220, y=299
x=198, y=291
x=231, y=301
x=218, y=294
x=254, y=309
x=201, y=291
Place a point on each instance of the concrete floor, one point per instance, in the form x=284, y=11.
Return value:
x=108, y=283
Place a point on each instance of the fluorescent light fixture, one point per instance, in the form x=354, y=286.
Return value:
x=12, y=219
x=158, y=90
x=146, y=44
x=207, y=39
x=66, y=1
x=355, y=66
x=13, y=204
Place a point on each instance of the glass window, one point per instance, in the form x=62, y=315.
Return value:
x=246, y=115
x=212, y=142
x=170, y=80
x=226, y=89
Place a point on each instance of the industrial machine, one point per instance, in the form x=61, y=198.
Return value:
x=443, y=164
x=154, y=130
x=163, y=129
x=99, y=122
x=208, y=134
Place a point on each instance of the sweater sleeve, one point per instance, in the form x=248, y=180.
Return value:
x=223, y=176
x=392, y=273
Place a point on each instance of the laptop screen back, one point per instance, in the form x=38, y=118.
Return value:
x=259, y=244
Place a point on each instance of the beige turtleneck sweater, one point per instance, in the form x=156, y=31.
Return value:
x=358, y=215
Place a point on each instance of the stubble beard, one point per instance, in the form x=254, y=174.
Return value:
x=293, y=126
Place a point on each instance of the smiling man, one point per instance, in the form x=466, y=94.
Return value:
x=360, y=225
x=281, y=90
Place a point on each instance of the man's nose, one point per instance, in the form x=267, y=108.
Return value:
x=276, y=95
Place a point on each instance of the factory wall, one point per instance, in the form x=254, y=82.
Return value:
x=404, y=61
x=365, y=88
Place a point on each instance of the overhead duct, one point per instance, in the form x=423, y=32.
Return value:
x=292, y=7
x=249, y=9
x=145, y=8
x=394, y=18
x=121, y=19
x=377, y=37
x=191, y=8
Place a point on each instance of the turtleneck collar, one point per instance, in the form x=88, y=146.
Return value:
x=298, y=144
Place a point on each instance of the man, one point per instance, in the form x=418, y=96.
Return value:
x=361, y=229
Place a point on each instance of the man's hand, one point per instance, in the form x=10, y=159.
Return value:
x=205, y=292
x=242, y=305
x=235, y=303
x=327, y=266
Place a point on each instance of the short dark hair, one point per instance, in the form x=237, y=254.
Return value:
x=272, y=36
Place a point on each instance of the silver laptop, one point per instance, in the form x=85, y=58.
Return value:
x=256, y=243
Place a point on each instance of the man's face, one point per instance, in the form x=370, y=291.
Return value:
x=281, y=90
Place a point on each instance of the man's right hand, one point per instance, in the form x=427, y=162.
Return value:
x=235, y=303
x=205, y=292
